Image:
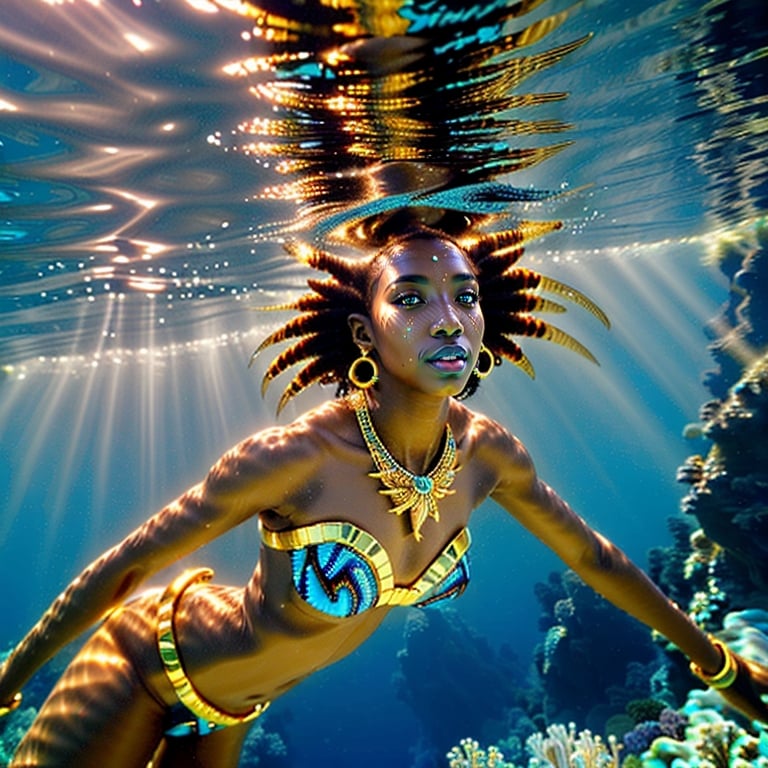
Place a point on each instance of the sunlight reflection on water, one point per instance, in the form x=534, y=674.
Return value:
x=129, y=178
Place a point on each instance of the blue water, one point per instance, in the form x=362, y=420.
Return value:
x=129, y=221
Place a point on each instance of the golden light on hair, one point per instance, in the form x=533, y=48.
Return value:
x=320, y=341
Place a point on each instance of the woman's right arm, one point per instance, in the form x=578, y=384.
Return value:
x=245, y=481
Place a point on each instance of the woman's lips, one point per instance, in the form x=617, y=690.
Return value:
x=451, y=359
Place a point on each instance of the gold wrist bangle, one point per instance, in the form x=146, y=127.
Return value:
x=726, y=676
x=13, y=704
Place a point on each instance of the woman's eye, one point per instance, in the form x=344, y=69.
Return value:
x=407, y=300
x=468, y=298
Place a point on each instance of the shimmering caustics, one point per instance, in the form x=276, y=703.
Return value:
x=381, y=107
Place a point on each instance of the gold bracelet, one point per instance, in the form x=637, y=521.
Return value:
x=726, y=676
x=14, y=704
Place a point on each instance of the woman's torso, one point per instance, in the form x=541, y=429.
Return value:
x=240, y=646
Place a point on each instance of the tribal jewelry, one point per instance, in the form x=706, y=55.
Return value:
x=416, y=494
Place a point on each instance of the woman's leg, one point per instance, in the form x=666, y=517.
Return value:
x=100, y=713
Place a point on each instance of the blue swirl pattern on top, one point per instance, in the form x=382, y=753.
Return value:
x=342, y=570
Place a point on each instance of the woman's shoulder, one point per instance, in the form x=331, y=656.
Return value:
x=310, y=434
x=485, y=437
x=467, y=423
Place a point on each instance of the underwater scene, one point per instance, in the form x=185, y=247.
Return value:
x=170, y=171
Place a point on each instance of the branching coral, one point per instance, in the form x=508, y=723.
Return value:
x=563, y=748
x=469, y=754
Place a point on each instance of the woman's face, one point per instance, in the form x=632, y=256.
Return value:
x=425, y=320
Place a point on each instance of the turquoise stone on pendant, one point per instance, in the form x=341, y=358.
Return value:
x=423, y=484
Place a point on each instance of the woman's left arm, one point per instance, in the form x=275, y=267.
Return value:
x=605, y=568
x=257, y=475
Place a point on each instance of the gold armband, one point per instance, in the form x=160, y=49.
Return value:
x=13, y=704
x=725, y=677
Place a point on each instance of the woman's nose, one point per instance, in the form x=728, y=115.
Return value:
x=447, y=323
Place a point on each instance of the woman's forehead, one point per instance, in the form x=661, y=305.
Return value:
x=427, y=256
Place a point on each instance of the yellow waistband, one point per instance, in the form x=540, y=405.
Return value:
x=169, y=654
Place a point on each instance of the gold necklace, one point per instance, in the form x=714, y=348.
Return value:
x=416, y=494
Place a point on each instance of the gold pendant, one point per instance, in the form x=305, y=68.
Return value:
x=416, y=494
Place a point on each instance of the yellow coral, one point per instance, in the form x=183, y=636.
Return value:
x=469, y=754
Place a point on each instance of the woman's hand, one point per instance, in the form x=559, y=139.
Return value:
x=738, y=680
x=744, y=694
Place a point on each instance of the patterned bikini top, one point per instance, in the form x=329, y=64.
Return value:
x=342, y=570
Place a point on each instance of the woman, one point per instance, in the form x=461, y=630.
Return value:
x=174, y=678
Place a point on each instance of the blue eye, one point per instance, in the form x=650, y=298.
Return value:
x=468, y=298
x=407, y=300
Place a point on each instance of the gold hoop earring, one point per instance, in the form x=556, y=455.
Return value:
x=485, y=362
x=364, y=371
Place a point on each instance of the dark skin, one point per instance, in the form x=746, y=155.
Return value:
x=245, y=645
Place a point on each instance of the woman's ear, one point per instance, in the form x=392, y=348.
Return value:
x=360, y=326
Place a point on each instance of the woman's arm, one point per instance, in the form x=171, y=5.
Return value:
x=246, y=481
x=606, y=569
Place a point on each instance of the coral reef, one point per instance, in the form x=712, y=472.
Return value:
x=642, y=710
x=518, y=727
x=710, y=741
x=703, y=733
x=670, y=724
x=562, y=747
x=729, y=492
x=559, y=747
x=667, y=564
x=747, y=633
x=703, y=738
x=641, y=737
x=469, y=754
x=699, y=735
x=579, y=659
x=729, y=487
x=741, y=328
x=437, y=644
x=673, y=723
